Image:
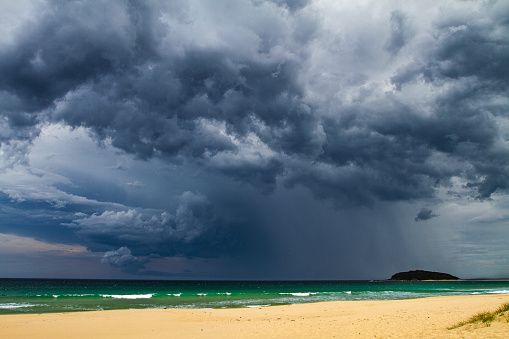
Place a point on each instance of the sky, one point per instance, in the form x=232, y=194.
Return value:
x=252, y=139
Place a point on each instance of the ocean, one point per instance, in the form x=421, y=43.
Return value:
x=61, y=295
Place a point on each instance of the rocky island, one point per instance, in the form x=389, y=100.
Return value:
x=422, y=275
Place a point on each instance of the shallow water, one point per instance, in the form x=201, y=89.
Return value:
x=57, y=295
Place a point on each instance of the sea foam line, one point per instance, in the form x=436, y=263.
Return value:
x=128, y=296
x=10, y=306
x=300, y=294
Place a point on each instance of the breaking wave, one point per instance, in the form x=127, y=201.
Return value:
x=12, y=306
x=299, y=294
x=128, y=296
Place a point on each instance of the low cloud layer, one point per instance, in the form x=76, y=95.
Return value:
x=123, y=259
x=360, y=105
x=193, y=229
x=425, y=214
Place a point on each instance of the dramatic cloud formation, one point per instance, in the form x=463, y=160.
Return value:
x=184, y=129
x=123, y=259
x=193, y=223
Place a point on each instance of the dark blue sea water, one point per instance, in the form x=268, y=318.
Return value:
x=55, y=295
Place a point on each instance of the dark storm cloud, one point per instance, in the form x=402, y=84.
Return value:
x=123, y=259
x=471, y=58
x=234, y=88
x=425, y=214
x=126, y=80
x=113, y=77
x=193, y=229
x=62, y=51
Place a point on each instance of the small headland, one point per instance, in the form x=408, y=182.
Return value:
x=418, y=275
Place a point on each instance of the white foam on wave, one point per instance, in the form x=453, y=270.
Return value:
x=299, y=294
x=499, y=292
x=74, y=295
x=256, y=306
x=348, y=292
x=128, y=296
x=176, y=294
x=202, y=294
x=11, y=306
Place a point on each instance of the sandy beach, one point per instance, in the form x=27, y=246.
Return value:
x=415, y=318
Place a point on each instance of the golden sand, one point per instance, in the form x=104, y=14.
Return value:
x=415, y=318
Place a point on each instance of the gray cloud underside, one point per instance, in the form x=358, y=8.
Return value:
x=266, y=93
x=156, y=91
x=425, y=214
x=123, y=259
x=193, y=230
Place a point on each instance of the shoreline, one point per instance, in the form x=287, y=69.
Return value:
x=408, y=318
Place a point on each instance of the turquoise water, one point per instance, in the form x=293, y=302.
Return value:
x=54, y=295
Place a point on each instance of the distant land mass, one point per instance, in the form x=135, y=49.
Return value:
x=422, y=275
